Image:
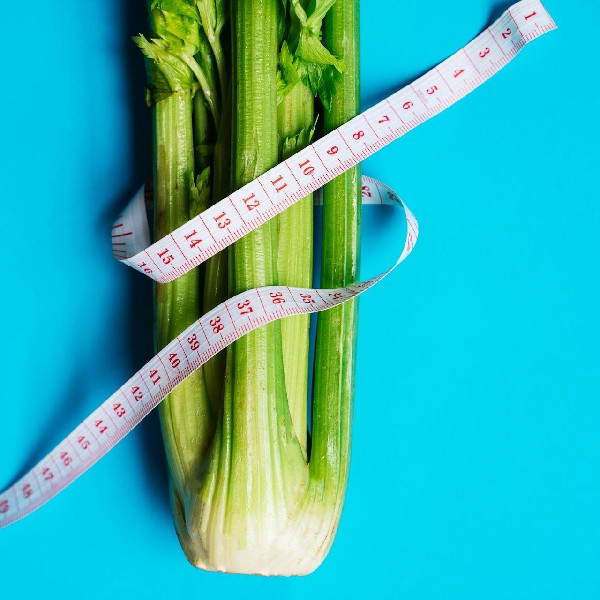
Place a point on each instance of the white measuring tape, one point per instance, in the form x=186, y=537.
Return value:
x=241, y=212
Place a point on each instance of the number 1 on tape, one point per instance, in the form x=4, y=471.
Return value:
x=235, y=216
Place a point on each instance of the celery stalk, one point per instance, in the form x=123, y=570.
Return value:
x=186, y=419
x=335, y=349
x=250, y=490
x=215, y=275
x=213, y=17
x=306, y=70
x=295, y=254
x=181, y=121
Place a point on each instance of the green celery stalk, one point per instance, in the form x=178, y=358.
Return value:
x=335, y=349
x=186, y=418
x=181, y=122
x=295, y=118
x=250, y=488
x=215, y=276
x=213, y=16
x=306, y=70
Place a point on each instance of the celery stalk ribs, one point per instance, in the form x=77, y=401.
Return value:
x=233, y=88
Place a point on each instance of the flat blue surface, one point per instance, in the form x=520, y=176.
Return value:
x=476, y=453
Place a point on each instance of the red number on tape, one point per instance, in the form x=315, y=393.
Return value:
x=66, y=459
x=83, y=442
x=277, y=297
x=245, y=308
x=277, y=182
x=307, y=168
x=100, y=426
x=119, y=409
x=154, y=376
x=193, y=342
x=192, y=243
x=216, y=325
x=251, y=202
x=222, y=221
x=166, y=258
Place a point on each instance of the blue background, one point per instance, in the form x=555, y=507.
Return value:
x=475, y=467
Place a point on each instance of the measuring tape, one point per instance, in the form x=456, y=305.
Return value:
x=238, y=214
x=308, y=170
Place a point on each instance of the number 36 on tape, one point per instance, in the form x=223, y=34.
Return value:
x=235, y=216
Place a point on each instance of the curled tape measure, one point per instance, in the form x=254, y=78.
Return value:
x=245, y=210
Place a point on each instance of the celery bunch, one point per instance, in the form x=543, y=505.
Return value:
x=232, y=86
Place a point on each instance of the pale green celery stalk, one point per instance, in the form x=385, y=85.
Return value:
x=203, y=128
x=246, y=504
x=203, y=67
x=213, y=57
x=335, y=350
x=186, y=420
x=295, y=118
x=185, y=414
x=208, y=99
x=214, y=18
x=306, y=69
x=215, y=275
